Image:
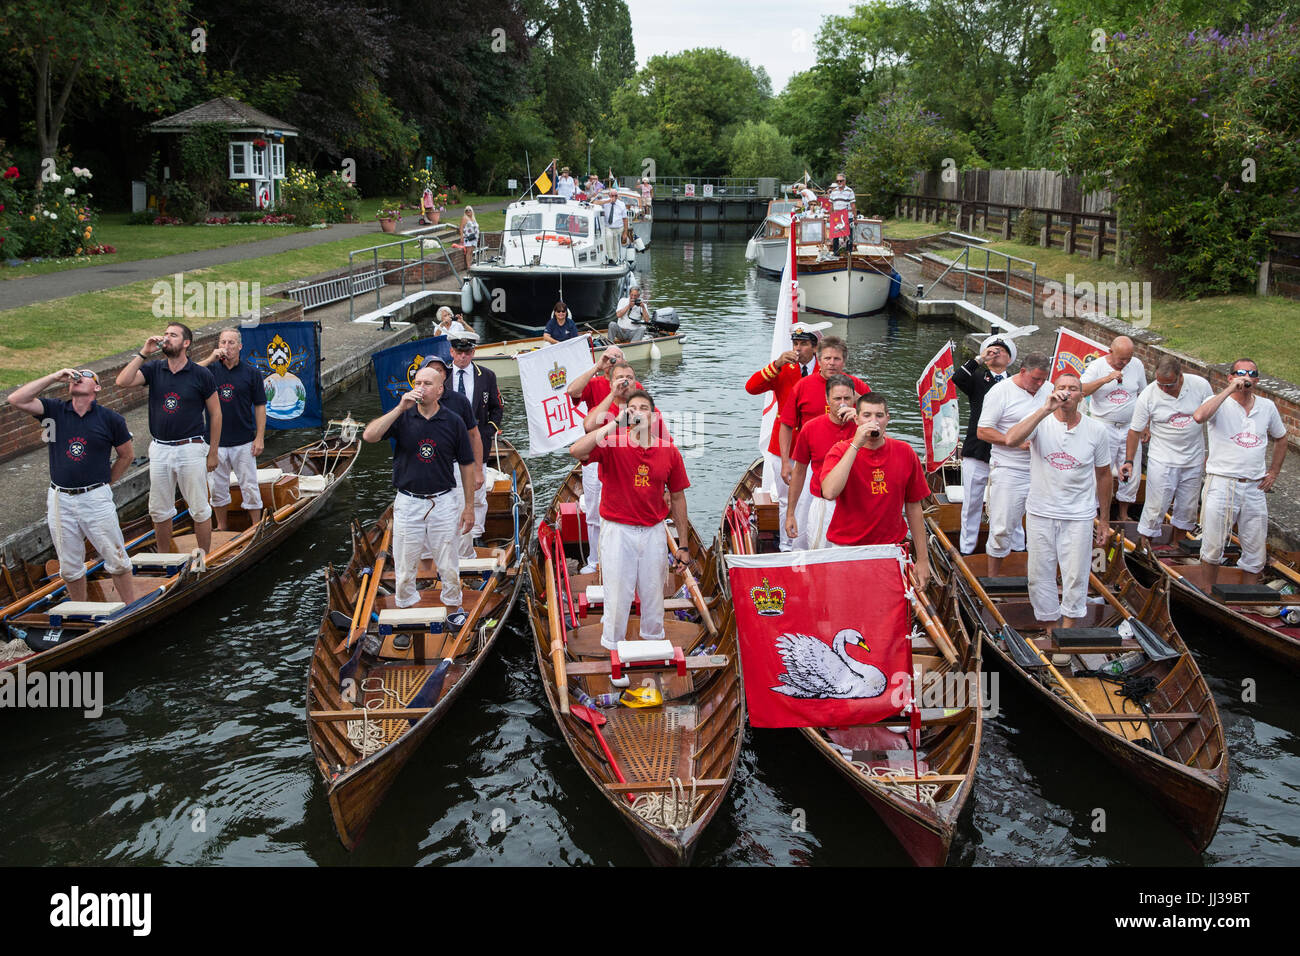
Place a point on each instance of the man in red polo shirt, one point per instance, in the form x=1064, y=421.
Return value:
x=780, y=376
x=589, y=389
x=636, y=468
x=810, y=514
x=873, y=479
x=808, y=401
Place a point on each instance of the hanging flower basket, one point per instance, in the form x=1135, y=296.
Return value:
x=259, y=143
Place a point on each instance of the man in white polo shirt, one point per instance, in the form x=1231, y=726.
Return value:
x=842, y=197
x=1240, y=425
x=1176, y=457
x=1112, y=384
x=1069, y=477
x=1005, y=404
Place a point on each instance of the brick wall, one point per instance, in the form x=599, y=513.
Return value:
x=20, y=432
x=1147, y=345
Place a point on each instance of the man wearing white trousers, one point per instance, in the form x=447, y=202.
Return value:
x=589, y=389
x=242, y=394
x=975, y=377
x=1112, y=384
x=182, y=453
x=1176, y=456
x=81, y=434
x=429, y=515
x=1005, y=404
x=1069, y=477
x=1240, y=424
x=643, y=480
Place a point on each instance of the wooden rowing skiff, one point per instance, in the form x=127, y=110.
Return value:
x=923, y=820
x=678, y=758
x=45, y=631
x=1156, y=721
x=1242, y=610
x=361, y=738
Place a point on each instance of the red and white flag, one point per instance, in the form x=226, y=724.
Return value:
x=787, y=313
x=814, y=654
x=544, y=376
x=839, y=224
x=1074, y=352
x=939, y=412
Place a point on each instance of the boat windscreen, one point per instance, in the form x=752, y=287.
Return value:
x=525, y=222
x=572, y=224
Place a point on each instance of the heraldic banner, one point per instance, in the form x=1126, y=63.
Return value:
x=396, y=367
x=287, y=355
x=939, y=414
x=814, y=653
x=1074, y=352
x=544, y=375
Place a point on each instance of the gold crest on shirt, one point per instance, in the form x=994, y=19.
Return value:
x=642, y=479
x=878, y=486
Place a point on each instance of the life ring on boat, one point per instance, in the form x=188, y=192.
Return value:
x=557, y=239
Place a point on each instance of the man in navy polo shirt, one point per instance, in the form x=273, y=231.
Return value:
x=180, y=453
x=79, y=504
x=462, y=407
x=243, y=426
x=431, y=445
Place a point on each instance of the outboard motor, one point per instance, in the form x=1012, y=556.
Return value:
x=664, y=321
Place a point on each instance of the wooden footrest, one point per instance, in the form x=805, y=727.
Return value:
x=374, y=713
x=1072, y=638
x=649, y=787
x=1119, y=717
x=993, y=586
x=1251, y=594
x=1048, y=646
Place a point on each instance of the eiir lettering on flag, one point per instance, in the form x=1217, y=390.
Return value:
x=1074, y=352
x=544, y=377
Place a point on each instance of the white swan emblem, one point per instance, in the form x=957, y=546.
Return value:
x=815, y=670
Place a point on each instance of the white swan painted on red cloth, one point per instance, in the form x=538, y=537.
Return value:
x=814, y=670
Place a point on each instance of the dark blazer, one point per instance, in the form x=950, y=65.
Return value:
x=484, y=398
x=975, y=380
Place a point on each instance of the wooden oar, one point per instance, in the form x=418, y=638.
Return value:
x=595, y=718
x=362, y=621
x=955, y=557
x=930, y=621
x=557, y=630
x=692, y=588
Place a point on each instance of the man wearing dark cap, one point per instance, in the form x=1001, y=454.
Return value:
x=81, y=433
x=975, y=377
x=780, y=376
x=479, y=386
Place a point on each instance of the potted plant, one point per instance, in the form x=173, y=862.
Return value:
x=389, y=215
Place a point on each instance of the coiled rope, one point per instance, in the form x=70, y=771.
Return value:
x=671, y=810
x=365, y=735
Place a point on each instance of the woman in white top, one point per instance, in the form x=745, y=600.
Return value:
x=445, y=323
x=469, y=234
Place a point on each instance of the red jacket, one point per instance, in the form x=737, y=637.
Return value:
x=781, y=381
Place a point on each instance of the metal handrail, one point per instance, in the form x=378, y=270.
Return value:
x=964, y=259
x=447, y=229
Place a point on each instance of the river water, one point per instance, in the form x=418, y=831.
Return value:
x=201, y=756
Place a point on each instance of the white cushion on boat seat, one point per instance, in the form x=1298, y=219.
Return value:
x=311, y=484
x=479, y=564
x=631, y=651
x=954, y=493
x=161, y=560
x=412, y=615
x=595, y=594
x=491, y=476
x=266, y=474
x=87, y=608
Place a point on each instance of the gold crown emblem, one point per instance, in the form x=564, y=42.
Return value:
x=558, y=376
x=768, y=601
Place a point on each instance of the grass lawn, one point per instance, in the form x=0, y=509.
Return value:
x=907, y=229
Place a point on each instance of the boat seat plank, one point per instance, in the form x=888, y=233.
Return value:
x=375, y=713
x=1252, y=594
x=585, y=641
x=1068, y=638
x=165, y=559
x=650, y=786
x=1172, y=716
x=1005, y=585
x=431, y=597
x=1099, y=696
x=188, y=542
x=697, y=662
x=413, y=615
x=86, y=608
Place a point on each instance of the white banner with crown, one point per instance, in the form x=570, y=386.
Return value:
x=544, y=375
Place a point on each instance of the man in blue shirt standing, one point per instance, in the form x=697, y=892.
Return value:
x=81, y=433
x=181, y=453
x=242, y=394
x=431, y=445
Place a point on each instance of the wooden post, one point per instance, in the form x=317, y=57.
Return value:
x=1069, y=235
x=1045, y=236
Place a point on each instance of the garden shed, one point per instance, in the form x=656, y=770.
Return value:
x=255, y=148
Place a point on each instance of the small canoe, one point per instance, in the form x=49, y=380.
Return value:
x=923, y=818
x=1155, y=719
x=45, y=631
x=678, y=759
x=377, y=690
x=1252, y=613
x=500, y=356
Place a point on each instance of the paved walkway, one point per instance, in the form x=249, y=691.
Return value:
x=15, y=293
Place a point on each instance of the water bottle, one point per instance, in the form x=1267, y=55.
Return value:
x=600, y=700
x=1124, y=663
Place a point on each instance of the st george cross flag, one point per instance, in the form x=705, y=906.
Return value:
x=544, y=375
x=939, y=413
x=396, y=367
x=287, y=354
x=814, y=653
x=1074, y=352
x=840, y=224
x=787, y=313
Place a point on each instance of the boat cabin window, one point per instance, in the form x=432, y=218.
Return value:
x=525, y=222
x=780, y=208
x=572, y=224
x=812, y=231
x=774, y=230
x=868, y=233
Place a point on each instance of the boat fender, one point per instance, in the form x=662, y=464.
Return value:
x=467, y=296
x=629, y=254
x=480, y=291
x=655, y=354
x=895, y=284
x=639, y=245
x=751, y=250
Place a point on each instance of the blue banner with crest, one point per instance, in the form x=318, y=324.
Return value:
x=287, y=355
x=395, y=367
